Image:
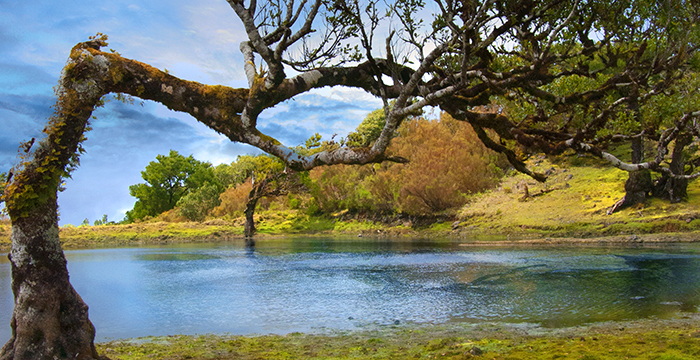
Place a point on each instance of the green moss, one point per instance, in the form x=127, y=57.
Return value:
x=356, y=226
x=475, y=342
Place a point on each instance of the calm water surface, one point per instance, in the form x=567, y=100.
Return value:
x=308, y=285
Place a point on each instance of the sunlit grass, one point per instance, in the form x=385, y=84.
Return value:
x=638, y=340
x=574, y=202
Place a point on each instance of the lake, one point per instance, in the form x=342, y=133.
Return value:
x=321, y=284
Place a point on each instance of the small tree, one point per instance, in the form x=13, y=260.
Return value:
x=272, y=184
x=102, y=221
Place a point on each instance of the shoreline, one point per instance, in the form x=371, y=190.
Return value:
x=648, y=338
x=110, y=236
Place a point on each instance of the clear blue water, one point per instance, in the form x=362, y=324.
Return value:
x=311, y=285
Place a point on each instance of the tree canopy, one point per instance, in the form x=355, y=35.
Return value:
x=168, y=179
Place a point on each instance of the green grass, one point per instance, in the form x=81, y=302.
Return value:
x=573, y=202
x=643, y=340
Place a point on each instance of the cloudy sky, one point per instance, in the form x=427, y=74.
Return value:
x=194, y=39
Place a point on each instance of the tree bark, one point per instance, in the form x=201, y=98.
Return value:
x=249, y=229
x=638, y=185
x=49, y=320
x=670, y=188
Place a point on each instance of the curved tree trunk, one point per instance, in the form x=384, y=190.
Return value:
x=49, y=320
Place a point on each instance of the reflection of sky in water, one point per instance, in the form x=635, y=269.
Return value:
x=307, y=285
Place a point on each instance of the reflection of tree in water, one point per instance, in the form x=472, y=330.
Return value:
x=250, y=248
x=661, y=280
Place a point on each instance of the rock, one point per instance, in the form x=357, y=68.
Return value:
x=475, y=351
x=455, y=225
x=569, y=177
x=359, y=235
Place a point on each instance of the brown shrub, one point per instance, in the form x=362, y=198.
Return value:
x=233, y=200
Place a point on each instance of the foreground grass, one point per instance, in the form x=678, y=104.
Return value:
x=636, y=340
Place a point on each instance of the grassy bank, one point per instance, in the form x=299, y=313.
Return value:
x=646, y=339
x=572, y=204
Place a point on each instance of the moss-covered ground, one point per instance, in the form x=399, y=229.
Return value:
x=676, y=339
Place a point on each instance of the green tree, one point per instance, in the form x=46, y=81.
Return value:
x=369, y=129
x=168, y=179
x=197, y=204
x=102, y=221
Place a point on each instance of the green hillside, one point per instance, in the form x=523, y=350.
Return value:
x=574, y=202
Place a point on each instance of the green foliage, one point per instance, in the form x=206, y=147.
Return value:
x=294, y=202
x=197, y=204
x=102, y=221
x=314, y=141
x=241, y=175
x=245, y=166
x=3, y=179
x=167, y=180
x=369, y=129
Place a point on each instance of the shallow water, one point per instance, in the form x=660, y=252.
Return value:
x=282, y=286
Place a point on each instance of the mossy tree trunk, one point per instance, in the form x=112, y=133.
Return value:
x=49, y=319
x=249, y=227
x=670, y=188
x=638, y=185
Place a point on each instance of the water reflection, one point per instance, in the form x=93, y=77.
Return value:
x=311, y=284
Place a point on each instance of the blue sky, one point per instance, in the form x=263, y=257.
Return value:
x=194, y=39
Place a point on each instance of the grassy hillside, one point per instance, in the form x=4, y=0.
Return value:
x=574, y=202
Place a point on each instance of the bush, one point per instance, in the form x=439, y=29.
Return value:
x=447, y=163
x=233, y=200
